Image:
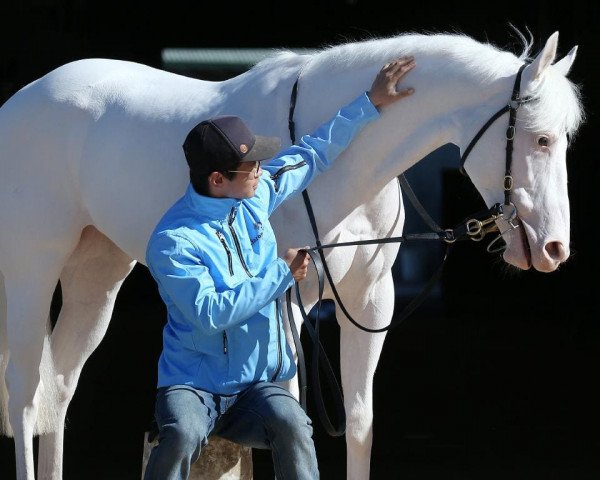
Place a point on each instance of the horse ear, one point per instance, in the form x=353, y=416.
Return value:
x=544, y=59
x=565, y=63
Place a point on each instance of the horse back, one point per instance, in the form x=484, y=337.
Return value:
x=98, y=141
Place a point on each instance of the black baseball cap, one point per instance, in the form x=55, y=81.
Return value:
x=220, y=143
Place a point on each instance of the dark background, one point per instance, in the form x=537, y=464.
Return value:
x=494, y=376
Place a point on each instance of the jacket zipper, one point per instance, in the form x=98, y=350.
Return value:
x=225, y=343
x=230, y=263
x=229, y=256
x=287, y=168
x=238, y=247
x=279, y=352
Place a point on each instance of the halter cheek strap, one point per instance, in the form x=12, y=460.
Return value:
x=293, y=97
x=515, y=102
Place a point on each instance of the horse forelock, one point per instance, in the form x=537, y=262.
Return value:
x=557, y=105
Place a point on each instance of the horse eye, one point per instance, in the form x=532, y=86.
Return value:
x=543, y=141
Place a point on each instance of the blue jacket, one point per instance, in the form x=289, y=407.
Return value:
x=215, y=262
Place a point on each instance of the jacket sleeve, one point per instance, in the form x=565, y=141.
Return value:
x=185, y=284
x=295, y=167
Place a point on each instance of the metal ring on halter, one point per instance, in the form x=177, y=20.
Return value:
x=512, y=216
x=512, y=226
x=514, y=104
x=474, y=227
x=498, y=249
x=500, y=235
x=449, y=238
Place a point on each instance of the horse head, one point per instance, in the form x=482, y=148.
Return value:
x=523, y=167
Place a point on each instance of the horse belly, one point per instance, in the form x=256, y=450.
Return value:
x=132, y=181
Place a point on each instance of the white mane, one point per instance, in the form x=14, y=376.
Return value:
x=557, y=105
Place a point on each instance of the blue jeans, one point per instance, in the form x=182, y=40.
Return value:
x=264, y=416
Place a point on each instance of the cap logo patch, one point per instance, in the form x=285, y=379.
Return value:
x=244, y=148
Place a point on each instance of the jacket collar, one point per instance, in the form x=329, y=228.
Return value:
x=210, y=207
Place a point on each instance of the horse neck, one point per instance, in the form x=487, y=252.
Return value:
x=262, y=95
x=444, y=109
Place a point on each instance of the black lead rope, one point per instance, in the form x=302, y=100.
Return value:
x=463, y=231
x=319, y=355
x=439, y=235
x=313, y=331
x=318, y=259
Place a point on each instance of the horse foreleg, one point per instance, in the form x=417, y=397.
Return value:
x=90, y=282
x=359, y=355
x=28, y=298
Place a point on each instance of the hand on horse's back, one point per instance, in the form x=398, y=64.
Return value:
x=383, y=91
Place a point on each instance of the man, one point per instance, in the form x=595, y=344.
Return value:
x=214, y=258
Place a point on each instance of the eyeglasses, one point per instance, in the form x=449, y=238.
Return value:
x=255, y=170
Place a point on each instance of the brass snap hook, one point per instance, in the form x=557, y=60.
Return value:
x=474, y=227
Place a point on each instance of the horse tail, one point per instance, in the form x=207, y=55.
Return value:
x=47, y=391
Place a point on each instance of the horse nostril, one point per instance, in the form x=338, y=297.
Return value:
x=556, y=251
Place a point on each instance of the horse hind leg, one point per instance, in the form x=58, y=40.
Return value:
x=90, y=282
x=26, y=358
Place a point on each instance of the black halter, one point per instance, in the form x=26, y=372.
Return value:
x=515, y=102
x=476, y=227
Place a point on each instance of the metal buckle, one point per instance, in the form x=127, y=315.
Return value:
x=510, y=132
x=515, y=103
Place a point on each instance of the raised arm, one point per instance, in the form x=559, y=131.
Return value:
x=294, y=168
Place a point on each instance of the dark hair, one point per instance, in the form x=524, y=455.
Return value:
x=199, y=181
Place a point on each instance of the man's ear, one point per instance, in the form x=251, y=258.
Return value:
x=216, y=179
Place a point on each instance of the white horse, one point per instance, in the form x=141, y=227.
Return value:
x=90, y=158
